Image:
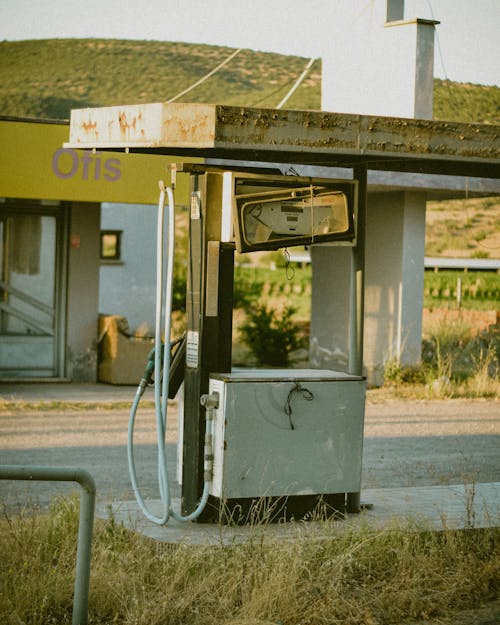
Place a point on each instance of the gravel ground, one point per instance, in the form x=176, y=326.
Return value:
x=407, y=443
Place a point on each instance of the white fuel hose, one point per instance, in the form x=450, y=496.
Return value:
x=163, y=317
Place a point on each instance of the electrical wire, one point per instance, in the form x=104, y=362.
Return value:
x=304, y=392
x=274, y=92
x=440, y=52
x=199, y=82
x=297, y=83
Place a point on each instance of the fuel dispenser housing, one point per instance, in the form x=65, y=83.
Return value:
x=283, y=432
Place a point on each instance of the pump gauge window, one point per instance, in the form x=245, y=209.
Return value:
x=288, y=217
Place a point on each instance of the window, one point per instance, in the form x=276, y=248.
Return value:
x=111, y=244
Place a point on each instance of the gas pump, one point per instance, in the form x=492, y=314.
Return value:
x=271, y=442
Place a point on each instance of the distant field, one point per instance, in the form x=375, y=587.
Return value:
x=463, y=228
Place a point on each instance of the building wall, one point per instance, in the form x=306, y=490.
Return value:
x=127, y=287
x=36, y=168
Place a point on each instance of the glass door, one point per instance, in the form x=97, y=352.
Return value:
x=30, y=253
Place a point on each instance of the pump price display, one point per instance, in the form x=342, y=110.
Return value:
x=314, y=215
x=279, y=216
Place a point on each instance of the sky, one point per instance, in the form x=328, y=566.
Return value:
x=467, y=50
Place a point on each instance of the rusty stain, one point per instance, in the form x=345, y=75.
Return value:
x=257, y=130
x=124, y=123
x=122, y=120
x=89, y=126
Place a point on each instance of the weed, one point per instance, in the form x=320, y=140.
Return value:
x=456, y=362
x=396, y=373
x=480, y=254
x=7, y=405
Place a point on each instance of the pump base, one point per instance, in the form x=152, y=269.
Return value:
x=248, y=510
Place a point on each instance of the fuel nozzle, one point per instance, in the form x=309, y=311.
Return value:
x=147, y=376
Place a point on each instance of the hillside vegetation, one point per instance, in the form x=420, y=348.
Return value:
x=47, y=78
x=463, y=228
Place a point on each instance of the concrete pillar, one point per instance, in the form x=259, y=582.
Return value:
x=329, y=344
x=83, y=292
x=377, y=67
x=377, y=63
x=394, y=278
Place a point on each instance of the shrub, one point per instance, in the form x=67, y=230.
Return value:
x=179, y=288
x=246, y=290
x=271, y=337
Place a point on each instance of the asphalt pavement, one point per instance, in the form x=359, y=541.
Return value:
x=431, y=459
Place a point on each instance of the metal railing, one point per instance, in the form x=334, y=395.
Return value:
x=85, y=526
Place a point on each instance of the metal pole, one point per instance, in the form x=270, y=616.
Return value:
x=209, y=318
x=357, y=289
x=86, y=523
x=357, y=299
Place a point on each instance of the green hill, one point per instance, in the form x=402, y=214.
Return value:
x=47, y=78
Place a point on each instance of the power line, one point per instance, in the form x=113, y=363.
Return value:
x=198, y=82
x=270, y=95
x=297, y=83
x=438, y=41
x=446, y=79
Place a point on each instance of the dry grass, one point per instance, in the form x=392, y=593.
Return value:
x=457, y=362
x=356, y=576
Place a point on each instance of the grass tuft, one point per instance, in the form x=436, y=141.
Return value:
x=457, y=362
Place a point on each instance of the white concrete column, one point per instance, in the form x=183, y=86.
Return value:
x=329, y=345
x=394, y=280
x=380, y=64
x=376, y=67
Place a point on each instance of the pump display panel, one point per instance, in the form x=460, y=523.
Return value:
x=273, y=212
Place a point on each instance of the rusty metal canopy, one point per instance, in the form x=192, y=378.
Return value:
x=285, y=136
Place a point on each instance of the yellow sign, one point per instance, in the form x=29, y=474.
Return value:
x=34, y=165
